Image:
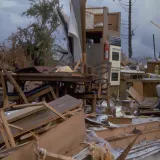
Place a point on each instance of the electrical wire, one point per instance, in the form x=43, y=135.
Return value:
x=125, y=9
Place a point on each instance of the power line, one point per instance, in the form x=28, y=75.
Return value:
x=130, y=30
x=126, y=9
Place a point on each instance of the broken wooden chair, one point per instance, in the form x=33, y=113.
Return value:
x=99, y=88
x=42, y=90
x=144, y=102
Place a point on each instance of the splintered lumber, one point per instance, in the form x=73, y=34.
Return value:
x=54, y=111
x=5, y=97
x=124, y=141
x=24, y=113
x=2, y=131
x=55, y=156
x=127, y=150
x=21, y=106
x=18, y=89
x=11, y=125
x=149, y=113
x=53, y=93
x=38, y=131
x=119, y=120
x=7, y=152
x=55, y=140
x=77, y=65
x=43, y=117
x=105, y=134
x=7, y=129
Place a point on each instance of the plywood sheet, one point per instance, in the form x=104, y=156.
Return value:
x=138, y=86
x=127, y=129
x=40, y=118
x=64, y=139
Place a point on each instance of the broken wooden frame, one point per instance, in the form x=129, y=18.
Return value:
x=144, y=102
x=42, y=114
x=64, y=146
x=123, y=136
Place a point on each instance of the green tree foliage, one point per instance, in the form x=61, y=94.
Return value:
x=37, y=38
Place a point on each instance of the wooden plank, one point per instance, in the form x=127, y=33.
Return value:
x=127, y=150
x=43, y=117
x=117, y=120
x=77, y=65
x=138, y=86
x=53, y=93
x=50, y=155
x=41, y=93
x=24, y=113
x=135, y=95
x=124, y=141
x=53, y=78
x=127, y=129
x=7, y=129
x=83, y=26
x=94, y=103
x=5, y=97
x=18, y=89
x=4, y=136
x=7, y=152
x=16, y=127
x=55, y=140
x=38, y=131
x=149, y=113
x=54, y=111
x=21, y=106
x=105, y=26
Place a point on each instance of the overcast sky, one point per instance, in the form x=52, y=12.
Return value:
x=143, y=12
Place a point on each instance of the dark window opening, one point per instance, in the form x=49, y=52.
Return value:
x=114, y=76
x=96, y=36
x=115, y=56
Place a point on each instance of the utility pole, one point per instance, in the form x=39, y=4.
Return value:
x=130, y=29
x=154, y=47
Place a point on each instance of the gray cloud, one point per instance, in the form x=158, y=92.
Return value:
x=143, y=12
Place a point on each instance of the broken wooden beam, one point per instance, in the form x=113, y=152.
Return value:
x=54, y=111
x=63, y=146
x=127, y=150
x=127, y=129
x=5, y=96
x=120, y=120
x=43, y=117
x=17, y=87
x=5, y=139
x=7, y=129
x=48, y=155
x=124, y=141
x=16, y=127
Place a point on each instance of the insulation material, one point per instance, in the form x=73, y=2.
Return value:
x=102, y=150
x=64, y=69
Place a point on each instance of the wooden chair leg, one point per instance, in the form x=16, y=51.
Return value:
x=94, y=102
x=57, y=92
x=7, y=129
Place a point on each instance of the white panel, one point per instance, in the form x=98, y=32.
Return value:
x=115, y=56
x=115, y=77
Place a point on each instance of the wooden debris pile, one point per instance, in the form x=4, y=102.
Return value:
x=51, y=122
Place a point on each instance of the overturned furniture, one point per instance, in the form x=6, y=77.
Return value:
x=144, y=102
x=38, y=118
x=99, y=87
